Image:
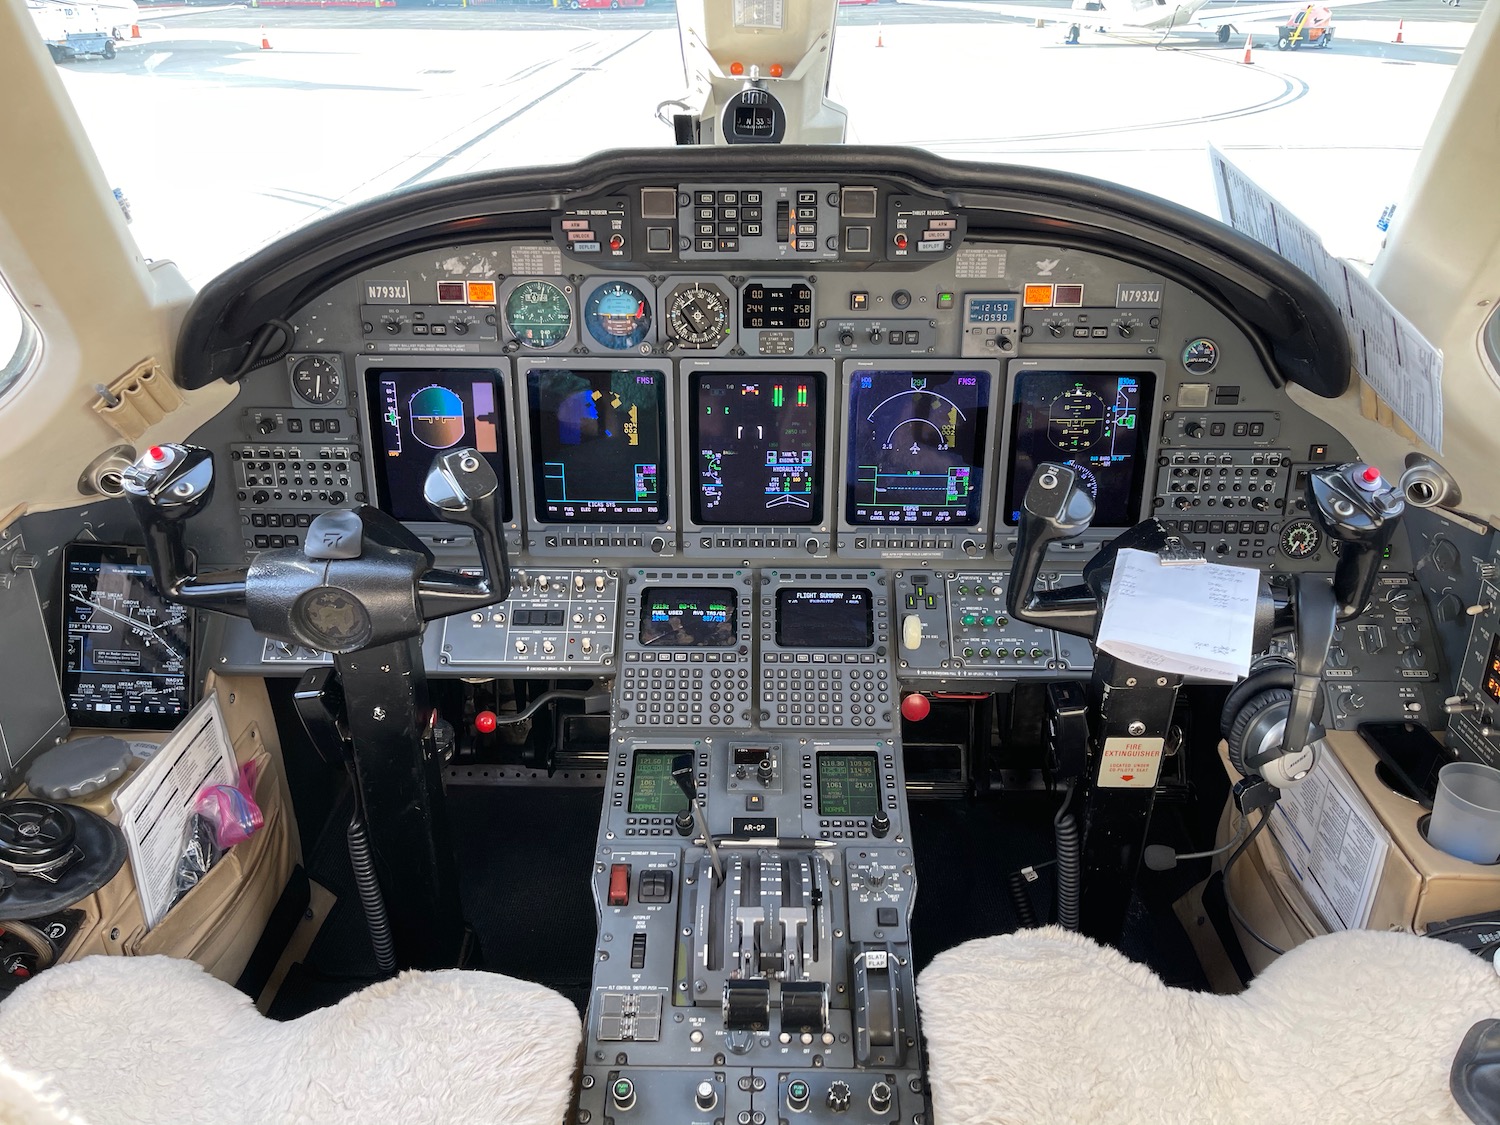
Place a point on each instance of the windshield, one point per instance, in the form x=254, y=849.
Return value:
x=224, y=127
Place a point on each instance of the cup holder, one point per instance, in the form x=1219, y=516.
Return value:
x=1423, y=821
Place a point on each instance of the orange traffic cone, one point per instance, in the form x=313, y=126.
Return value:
x=1247, y=60
x=1400, y=32
x=135, y=31
x=265, y=44
x=880, y=36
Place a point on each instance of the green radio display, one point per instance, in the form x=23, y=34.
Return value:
x=848, y=784
x=652, y=789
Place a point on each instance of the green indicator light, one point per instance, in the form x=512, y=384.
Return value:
x=984, y=653
x=1036, y=652
x=1020, y=652
x=623, y=1088
x=987, y=620
x=1002, y=621
x=968, y=653
x=797, y=1090
x=968, y=619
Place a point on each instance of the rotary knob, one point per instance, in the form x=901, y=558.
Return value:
x=839, y=1096
x=880, y=1097
x=705, y=1097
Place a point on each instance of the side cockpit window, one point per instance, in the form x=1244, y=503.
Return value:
x=17, y=340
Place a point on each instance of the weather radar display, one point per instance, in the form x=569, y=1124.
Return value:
x=916, y=447
x=1094, y=421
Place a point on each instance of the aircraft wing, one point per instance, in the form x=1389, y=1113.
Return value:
x=1257, y=13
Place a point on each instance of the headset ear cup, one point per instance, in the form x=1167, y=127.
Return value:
x=1276, y=676
x=1255, y=718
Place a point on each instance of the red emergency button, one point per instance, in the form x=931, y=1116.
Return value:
x=485, y=722
x=916, y=707
x=619, y=884
x=1372, y=474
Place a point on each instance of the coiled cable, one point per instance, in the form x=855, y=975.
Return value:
x=376, y=920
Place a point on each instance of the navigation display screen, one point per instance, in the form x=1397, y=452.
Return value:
x=652, y=789
x=1096, y=421
x=848, y=784
x=416, y=414
x=688, y=617
x=824, y=618
x=596, y=445
x=758, y=442
x=916, y=447
x=126, y=651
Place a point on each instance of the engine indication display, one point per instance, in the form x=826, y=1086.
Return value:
x=1300, y=539
x=596, y=445
x=539, y=314
x=618, y=315
x=417, y=413
x=757, y=440
x=1095, y=421
x=916, y=447
x=698, y=316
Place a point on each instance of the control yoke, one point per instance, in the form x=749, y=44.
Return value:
x=361, y=579
x=1355, y=506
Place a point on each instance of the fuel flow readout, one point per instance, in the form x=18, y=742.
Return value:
x=757, y=438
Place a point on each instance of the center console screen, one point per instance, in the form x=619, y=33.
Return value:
x=916, y=447
x=688, y=617
x=596, y=445
x=758, y=440
x=824, y=618
x=848, y=784
x=416, y=414
x=652, y=789
x=1098, y=422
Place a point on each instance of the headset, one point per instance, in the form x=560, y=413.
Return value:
x=1271, y=718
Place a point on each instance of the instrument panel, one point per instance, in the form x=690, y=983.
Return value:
x=854, y=376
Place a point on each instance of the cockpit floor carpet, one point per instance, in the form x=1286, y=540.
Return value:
x=525, y=867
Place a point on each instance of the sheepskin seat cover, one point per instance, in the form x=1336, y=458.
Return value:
x=156, y=1041
x=1048, y=1026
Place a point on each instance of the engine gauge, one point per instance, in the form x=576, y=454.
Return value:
x=316, y=379
x=1200, y=356
x=538, y=314
x=1300, y=539
x=698, y=315
x=618, y=315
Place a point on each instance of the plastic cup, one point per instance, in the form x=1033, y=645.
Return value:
x=1466, y=812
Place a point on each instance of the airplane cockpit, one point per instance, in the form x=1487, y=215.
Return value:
x=757, y=629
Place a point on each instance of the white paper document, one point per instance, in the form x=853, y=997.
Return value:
x=1398, y=363
x=1334, y=844
x=157, y=803
x=1196, y=619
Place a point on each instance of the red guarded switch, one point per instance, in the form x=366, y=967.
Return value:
x=619, y=884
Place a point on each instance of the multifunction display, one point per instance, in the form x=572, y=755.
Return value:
x=596, y=445
x=773, y=307
x=848, y=784
x=688, y=617
x=652, y=789
x=417, y=414
x=824, y=618
x=1098, y=422
x=758, y=446
x=916, y=443
x=125, y=649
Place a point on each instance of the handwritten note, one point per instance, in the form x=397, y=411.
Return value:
x=1396, y=360
x=1192, y=620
